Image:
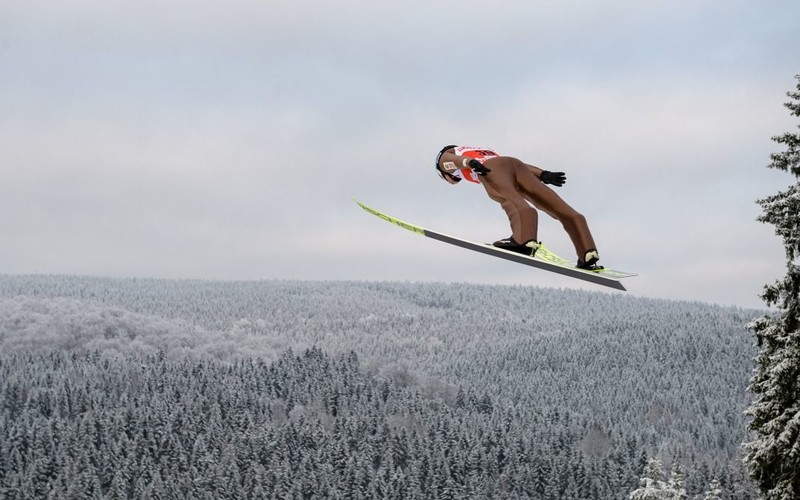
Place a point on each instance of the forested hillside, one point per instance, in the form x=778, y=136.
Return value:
x=407, y=391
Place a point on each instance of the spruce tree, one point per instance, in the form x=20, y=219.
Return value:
x=676, y=483
x=714, y=492
x=652, y=485
x=773, y=456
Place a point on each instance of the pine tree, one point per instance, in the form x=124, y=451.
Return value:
x=676, y=483
x=653, y=487
x=773, y=457
x=714, y=491
x=119, y=487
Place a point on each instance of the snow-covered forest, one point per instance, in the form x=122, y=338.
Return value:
x=118, y=388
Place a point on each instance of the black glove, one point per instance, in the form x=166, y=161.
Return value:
x=478, y=167
x=554, y=178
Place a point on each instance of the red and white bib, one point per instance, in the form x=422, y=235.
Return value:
x=480, y=154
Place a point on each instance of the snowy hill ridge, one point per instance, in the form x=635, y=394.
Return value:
x=621, y=379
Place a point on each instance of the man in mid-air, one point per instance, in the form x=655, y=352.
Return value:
x=516, y=186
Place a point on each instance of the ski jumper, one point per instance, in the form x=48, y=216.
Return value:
x=514, y=185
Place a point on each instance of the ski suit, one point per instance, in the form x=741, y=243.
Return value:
x=516, y=186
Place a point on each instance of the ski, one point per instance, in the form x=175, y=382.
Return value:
x=544, y=259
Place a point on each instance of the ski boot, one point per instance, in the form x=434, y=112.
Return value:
x=511, y=244
x=589, y=261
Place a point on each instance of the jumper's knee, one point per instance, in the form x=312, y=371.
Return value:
x=573, y=218
x=579, y=219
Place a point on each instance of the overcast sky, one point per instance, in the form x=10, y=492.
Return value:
x=225, y=140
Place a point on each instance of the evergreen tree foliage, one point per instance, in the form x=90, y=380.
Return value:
x=714, y=492
x=676, y=483
x=145, y=388
x=773, y=456
x=653, y=487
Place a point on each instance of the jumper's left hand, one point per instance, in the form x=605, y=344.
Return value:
x=478, y=167
x=554, y=178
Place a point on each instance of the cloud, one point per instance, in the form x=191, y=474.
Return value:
x=225, y=140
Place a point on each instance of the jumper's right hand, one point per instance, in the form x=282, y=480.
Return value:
x=478, y=167
x=554, y=178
